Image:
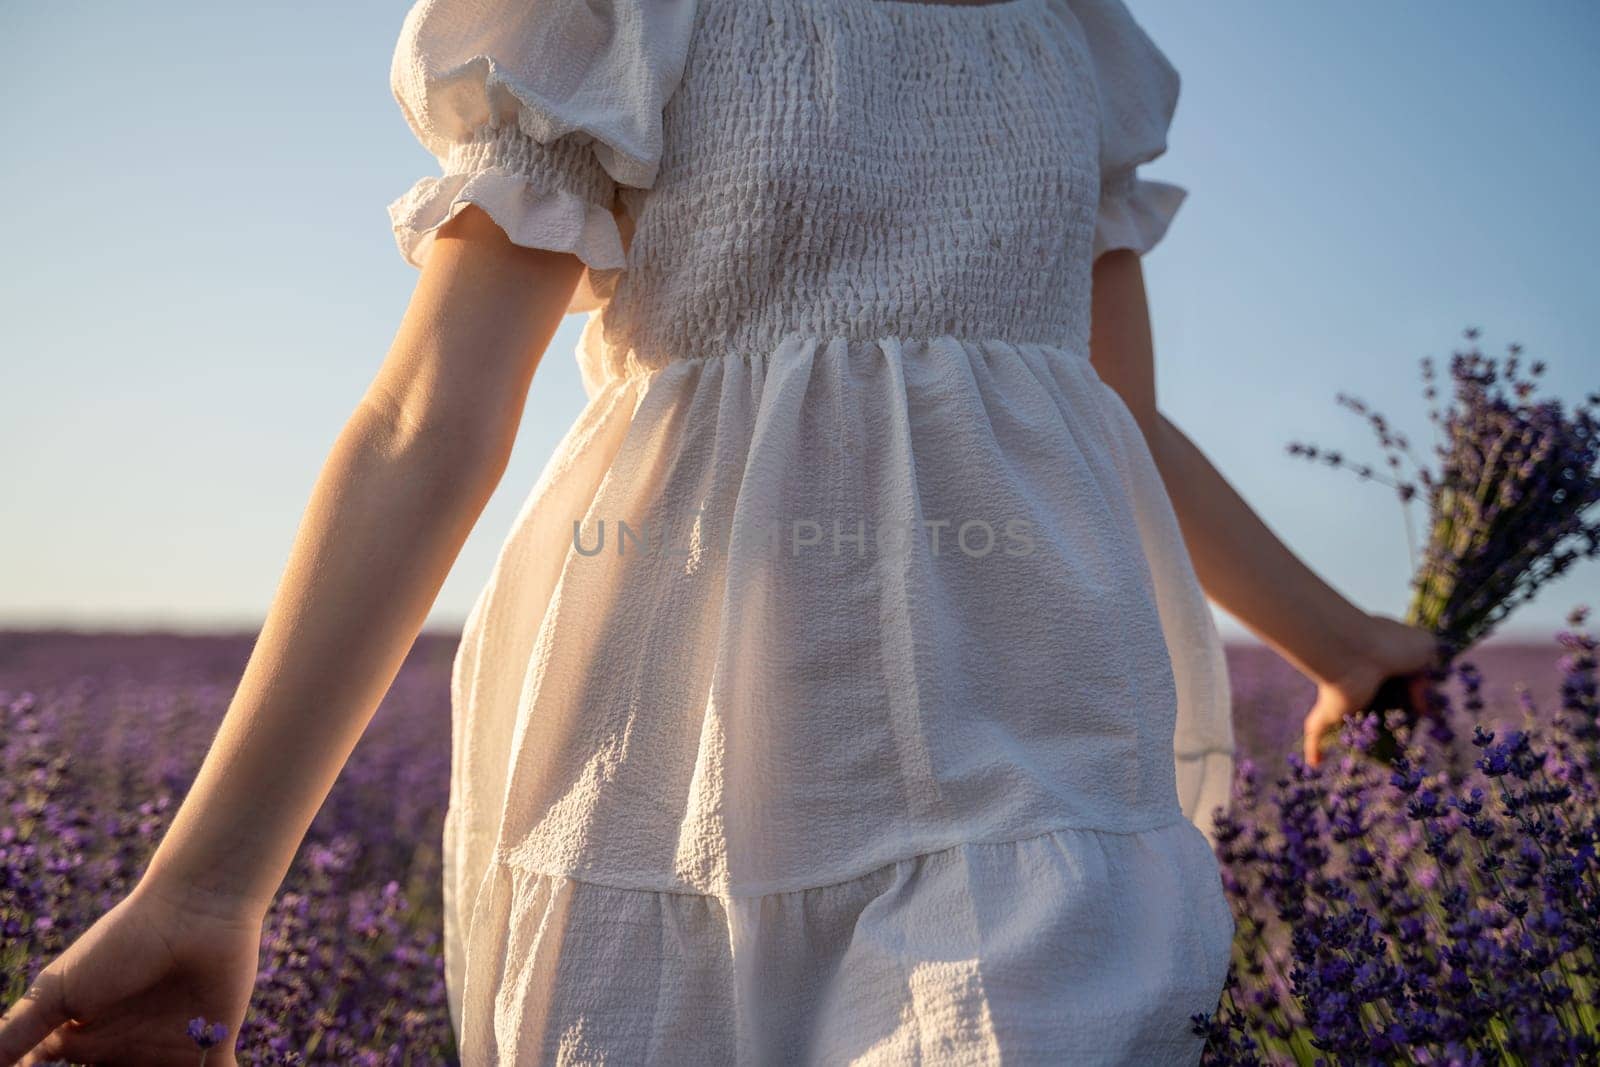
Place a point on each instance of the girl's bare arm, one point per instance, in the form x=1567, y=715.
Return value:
x=405, y=482
x=403, y=485
x=1242, y=565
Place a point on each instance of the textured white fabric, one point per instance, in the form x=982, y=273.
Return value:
x=536, y=112
x=976, y=954
x=1138, y=93
x=845, y=796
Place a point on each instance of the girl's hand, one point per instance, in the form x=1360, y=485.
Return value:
x=1393, y=649
x=124, y=992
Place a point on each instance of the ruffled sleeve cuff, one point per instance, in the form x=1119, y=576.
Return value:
x=555, y=196
x=1134, y=212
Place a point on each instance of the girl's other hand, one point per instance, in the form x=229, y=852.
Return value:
x=125, y=990
x=1391, y=649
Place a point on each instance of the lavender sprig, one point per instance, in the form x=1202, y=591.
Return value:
x=206, y=1036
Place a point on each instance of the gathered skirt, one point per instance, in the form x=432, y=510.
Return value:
x=727, y=804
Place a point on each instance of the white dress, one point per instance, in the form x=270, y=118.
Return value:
x=888, y=729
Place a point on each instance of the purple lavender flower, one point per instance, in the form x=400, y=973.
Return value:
x=206, y=1035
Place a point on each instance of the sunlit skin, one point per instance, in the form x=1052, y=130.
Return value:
x=404, y=483
x=1242, y=565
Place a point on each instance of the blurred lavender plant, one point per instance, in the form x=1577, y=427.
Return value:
x=1511, y=507
x=1418, y=915
x=98, y=748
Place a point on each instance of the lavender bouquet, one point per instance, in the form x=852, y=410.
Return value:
x=1419, y=914
x=1511, y=507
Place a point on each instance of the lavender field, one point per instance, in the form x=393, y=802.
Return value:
x=100, y=736
x=100, y=733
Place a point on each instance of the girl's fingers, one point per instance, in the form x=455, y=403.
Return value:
x=49, y=1051
x=1315, y=736
x=69, y=1042
x=31, y=1020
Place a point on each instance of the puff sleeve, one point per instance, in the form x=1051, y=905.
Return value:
x=538, y=111
x=1138, y=94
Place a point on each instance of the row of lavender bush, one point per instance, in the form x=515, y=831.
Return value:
x=1443, y=912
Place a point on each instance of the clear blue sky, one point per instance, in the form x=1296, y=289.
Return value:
x=200, y=276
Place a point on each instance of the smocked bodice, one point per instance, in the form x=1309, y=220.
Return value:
x=858, y=168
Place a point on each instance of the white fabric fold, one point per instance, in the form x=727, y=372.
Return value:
x=533, y=217
x=1137, y=89
x=539, y=113
x=551, y=68
x=975, y=954
x=1135, y=213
